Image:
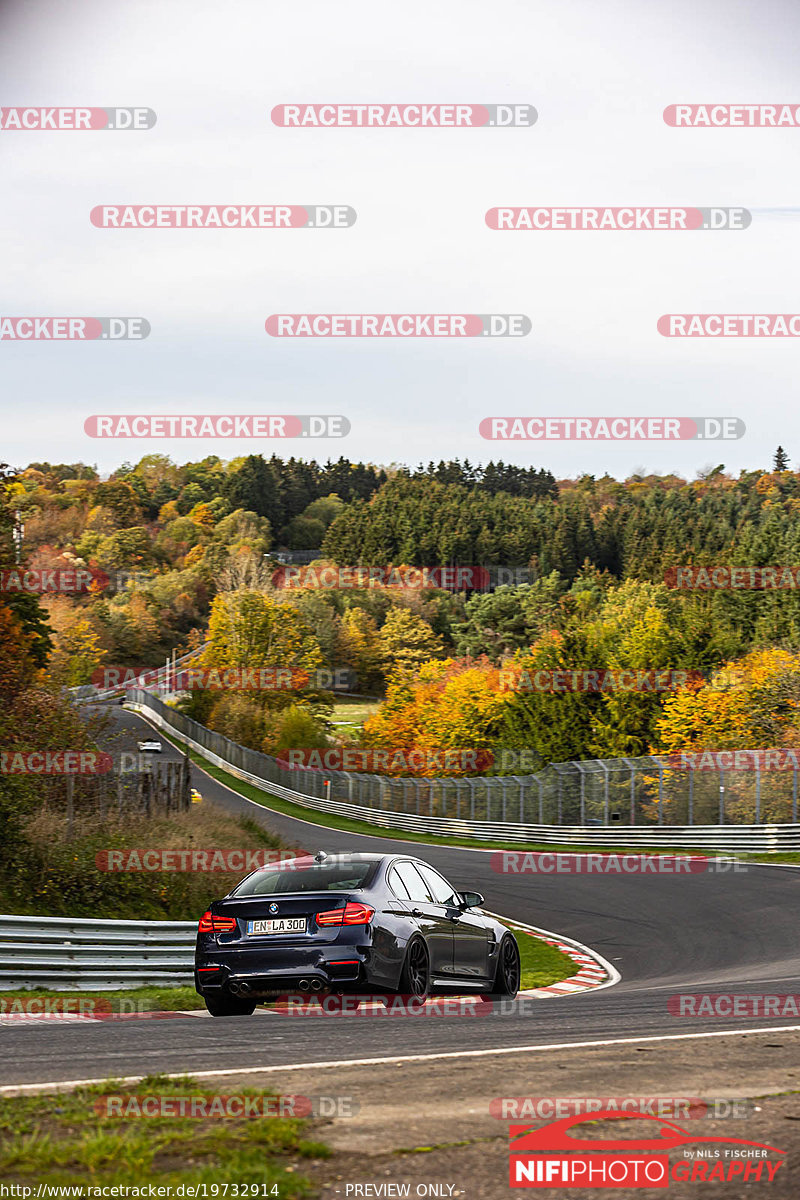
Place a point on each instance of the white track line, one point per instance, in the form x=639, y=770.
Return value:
x=62, y=1085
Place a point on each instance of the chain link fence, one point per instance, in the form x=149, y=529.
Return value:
x=647, y=791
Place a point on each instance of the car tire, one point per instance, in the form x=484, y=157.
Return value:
x=415, y=977
x=229, y=1006
x=507, y=973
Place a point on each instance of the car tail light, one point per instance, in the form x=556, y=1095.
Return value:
x=211, y=924
x=351, y=914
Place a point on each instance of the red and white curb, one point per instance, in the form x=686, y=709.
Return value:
x=594, y=972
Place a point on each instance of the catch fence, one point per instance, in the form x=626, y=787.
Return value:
x=644, y=793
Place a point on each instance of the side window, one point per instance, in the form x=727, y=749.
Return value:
x=413, y=882
x=397, y=885
x=439, y=888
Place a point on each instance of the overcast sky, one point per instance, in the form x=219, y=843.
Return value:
x=599, y=76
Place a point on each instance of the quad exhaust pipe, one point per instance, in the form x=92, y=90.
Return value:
x=240, y=987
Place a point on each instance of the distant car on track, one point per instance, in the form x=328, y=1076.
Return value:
x=149, y=746
x=196, y=797
x=349, y=922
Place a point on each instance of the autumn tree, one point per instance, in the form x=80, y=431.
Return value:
x=406, y=641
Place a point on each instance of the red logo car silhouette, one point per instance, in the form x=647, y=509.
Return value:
x=556, y=1137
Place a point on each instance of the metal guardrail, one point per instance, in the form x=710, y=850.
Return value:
x=90, y=693
x=721, y=839
x=77, y=954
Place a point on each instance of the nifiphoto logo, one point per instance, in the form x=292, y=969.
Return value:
x=557, y=1156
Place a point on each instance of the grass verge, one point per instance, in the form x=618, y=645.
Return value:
x=124, y=1000
x=62, y=1139
x=541, y=965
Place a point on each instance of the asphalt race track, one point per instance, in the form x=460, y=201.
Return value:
x=732, y=932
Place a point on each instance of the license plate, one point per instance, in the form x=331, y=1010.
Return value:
x=277, y=925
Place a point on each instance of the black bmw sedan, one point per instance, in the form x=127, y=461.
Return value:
x=349, y=922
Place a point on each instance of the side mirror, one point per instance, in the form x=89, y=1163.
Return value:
x=472, y=900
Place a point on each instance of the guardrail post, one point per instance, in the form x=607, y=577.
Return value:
x=633, y=794
x=472, y=799
x=505, y=781
x=660, y=794
x=541, y=800
x=794, y=794
x=722, y=795
x=758, y=793
x=559, y=822
x=691, y=795
x=583, y=796
x=605, y=786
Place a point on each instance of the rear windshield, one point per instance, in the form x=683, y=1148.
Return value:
x=310, y=877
